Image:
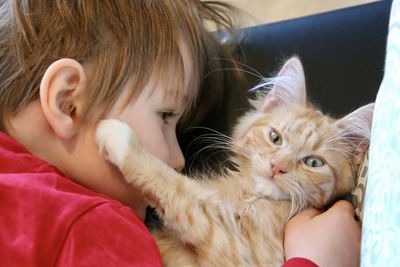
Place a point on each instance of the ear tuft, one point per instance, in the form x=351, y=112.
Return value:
x=357, y=125
x=287, y=88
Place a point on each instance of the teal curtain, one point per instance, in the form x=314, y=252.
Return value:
x=381, y=225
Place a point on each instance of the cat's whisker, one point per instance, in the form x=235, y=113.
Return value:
x=195, y=155
x=232, y=69
x=208, y=129
x=221, y=144
x=333, y=139
x=214, y=137
x=349, y=151
x=349, y=143
x=205, y=139
x=351, y=157
x=228, y=142
x=242, y=147
x=219, y=148
x=242, y=65
x=246, y=66
x=344, y=151
x=298, y=199
x=218, y=141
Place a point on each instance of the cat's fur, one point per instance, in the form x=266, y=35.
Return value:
x=238, y=219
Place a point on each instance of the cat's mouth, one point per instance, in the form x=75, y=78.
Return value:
x=269, y=178
x=267, y=186
x=264, y=175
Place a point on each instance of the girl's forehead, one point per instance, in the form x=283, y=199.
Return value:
x=175, y=80
x=178, y=81
x=170, y=88
x=187, y=60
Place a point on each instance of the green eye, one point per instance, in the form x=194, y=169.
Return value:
x=313, y=162
x=275, y=137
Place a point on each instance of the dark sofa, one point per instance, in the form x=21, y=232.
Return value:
x=342, y=53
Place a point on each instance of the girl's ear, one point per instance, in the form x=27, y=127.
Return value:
x=288, y=87
x=357, y=125
x=61, y=96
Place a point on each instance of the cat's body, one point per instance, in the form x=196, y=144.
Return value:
x=240, y=228
x=289, y=156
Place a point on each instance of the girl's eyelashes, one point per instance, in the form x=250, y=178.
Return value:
x=167, y=115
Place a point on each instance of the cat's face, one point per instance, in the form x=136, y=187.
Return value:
x=296, y=153
x=288, y=150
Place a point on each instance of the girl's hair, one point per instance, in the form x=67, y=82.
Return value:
x=120, y=39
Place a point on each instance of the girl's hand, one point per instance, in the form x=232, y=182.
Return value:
x=331, y=238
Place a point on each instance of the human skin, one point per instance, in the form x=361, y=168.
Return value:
x=329, y=239
x=50, y=128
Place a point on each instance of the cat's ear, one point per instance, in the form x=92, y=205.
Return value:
x=357, y=125
x=287, y=88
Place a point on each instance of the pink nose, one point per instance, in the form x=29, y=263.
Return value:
x=277, y=168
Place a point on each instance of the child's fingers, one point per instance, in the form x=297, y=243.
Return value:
x=342, y=206
x=305, y=215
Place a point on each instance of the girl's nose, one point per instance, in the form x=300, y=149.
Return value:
x=177, y=160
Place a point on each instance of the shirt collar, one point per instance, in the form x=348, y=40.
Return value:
x=15, y=158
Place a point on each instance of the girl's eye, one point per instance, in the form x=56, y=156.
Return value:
x=275, y=137
x=313, y=162
x=167, y=115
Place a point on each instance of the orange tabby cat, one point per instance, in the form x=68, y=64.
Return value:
x=289, y=156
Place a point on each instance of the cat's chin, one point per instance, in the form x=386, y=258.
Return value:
x=268, y=188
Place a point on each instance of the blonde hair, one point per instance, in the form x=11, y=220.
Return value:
x=120, y=38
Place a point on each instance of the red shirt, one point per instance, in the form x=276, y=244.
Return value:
x=48, y=220
x=299, y=262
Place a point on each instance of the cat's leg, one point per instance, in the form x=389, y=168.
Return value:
x=173, y=251
x=195, y=212
x=119, y=144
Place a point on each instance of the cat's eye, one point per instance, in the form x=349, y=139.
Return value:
x=275, y=137
x=313, y=162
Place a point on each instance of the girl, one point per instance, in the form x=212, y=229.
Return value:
x=64, y=66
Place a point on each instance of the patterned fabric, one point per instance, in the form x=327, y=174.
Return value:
x=381, y=226
x=358, y=194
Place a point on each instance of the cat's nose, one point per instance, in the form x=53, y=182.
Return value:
x=277, y=168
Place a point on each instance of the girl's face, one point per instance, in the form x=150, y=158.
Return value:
x=153, y=115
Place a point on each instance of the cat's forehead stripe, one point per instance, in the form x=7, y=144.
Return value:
x=305, y=127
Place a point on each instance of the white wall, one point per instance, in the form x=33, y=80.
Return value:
x=266, y=11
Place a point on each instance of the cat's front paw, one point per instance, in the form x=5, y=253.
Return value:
x=114, y=139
